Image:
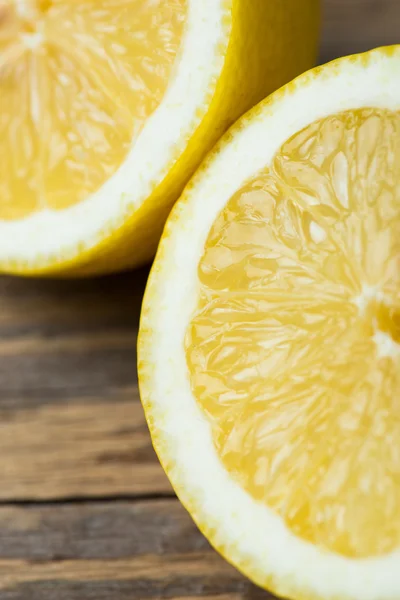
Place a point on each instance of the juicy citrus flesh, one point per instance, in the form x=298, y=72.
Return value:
x=293, y=351
x=78, y=80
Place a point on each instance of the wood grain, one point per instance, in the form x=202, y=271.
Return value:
x=114, y=551
x=71, y=422
x=84, y=448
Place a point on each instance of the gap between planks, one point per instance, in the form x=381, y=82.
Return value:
x=76, y=500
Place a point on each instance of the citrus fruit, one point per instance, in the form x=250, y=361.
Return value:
x=269, y=351
x=107, y=107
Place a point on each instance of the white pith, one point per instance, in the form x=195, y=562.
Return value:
x=162, y=139
x=252, y=536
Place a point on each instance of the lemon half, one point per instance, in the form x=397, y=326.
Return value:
x=108, y=106
x=269, y=350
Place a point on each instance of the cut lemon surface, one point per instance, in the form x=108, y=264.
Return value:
x=107, y=107
x=269, y=351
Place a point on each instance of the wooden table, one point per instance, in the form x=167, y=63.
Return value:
x=86, y=512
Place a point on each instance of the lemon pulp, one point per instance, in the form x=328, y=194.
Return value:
x=294, y=348
x=77, y=82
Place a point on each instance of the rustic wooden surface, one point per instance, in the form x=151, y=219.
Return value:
x=85, y=511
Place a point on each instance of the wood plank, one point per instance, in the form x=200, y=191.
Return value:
x=63, y=338
x=112, y=551
x=80, y=449
x=71, y=423
x=351, y=26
